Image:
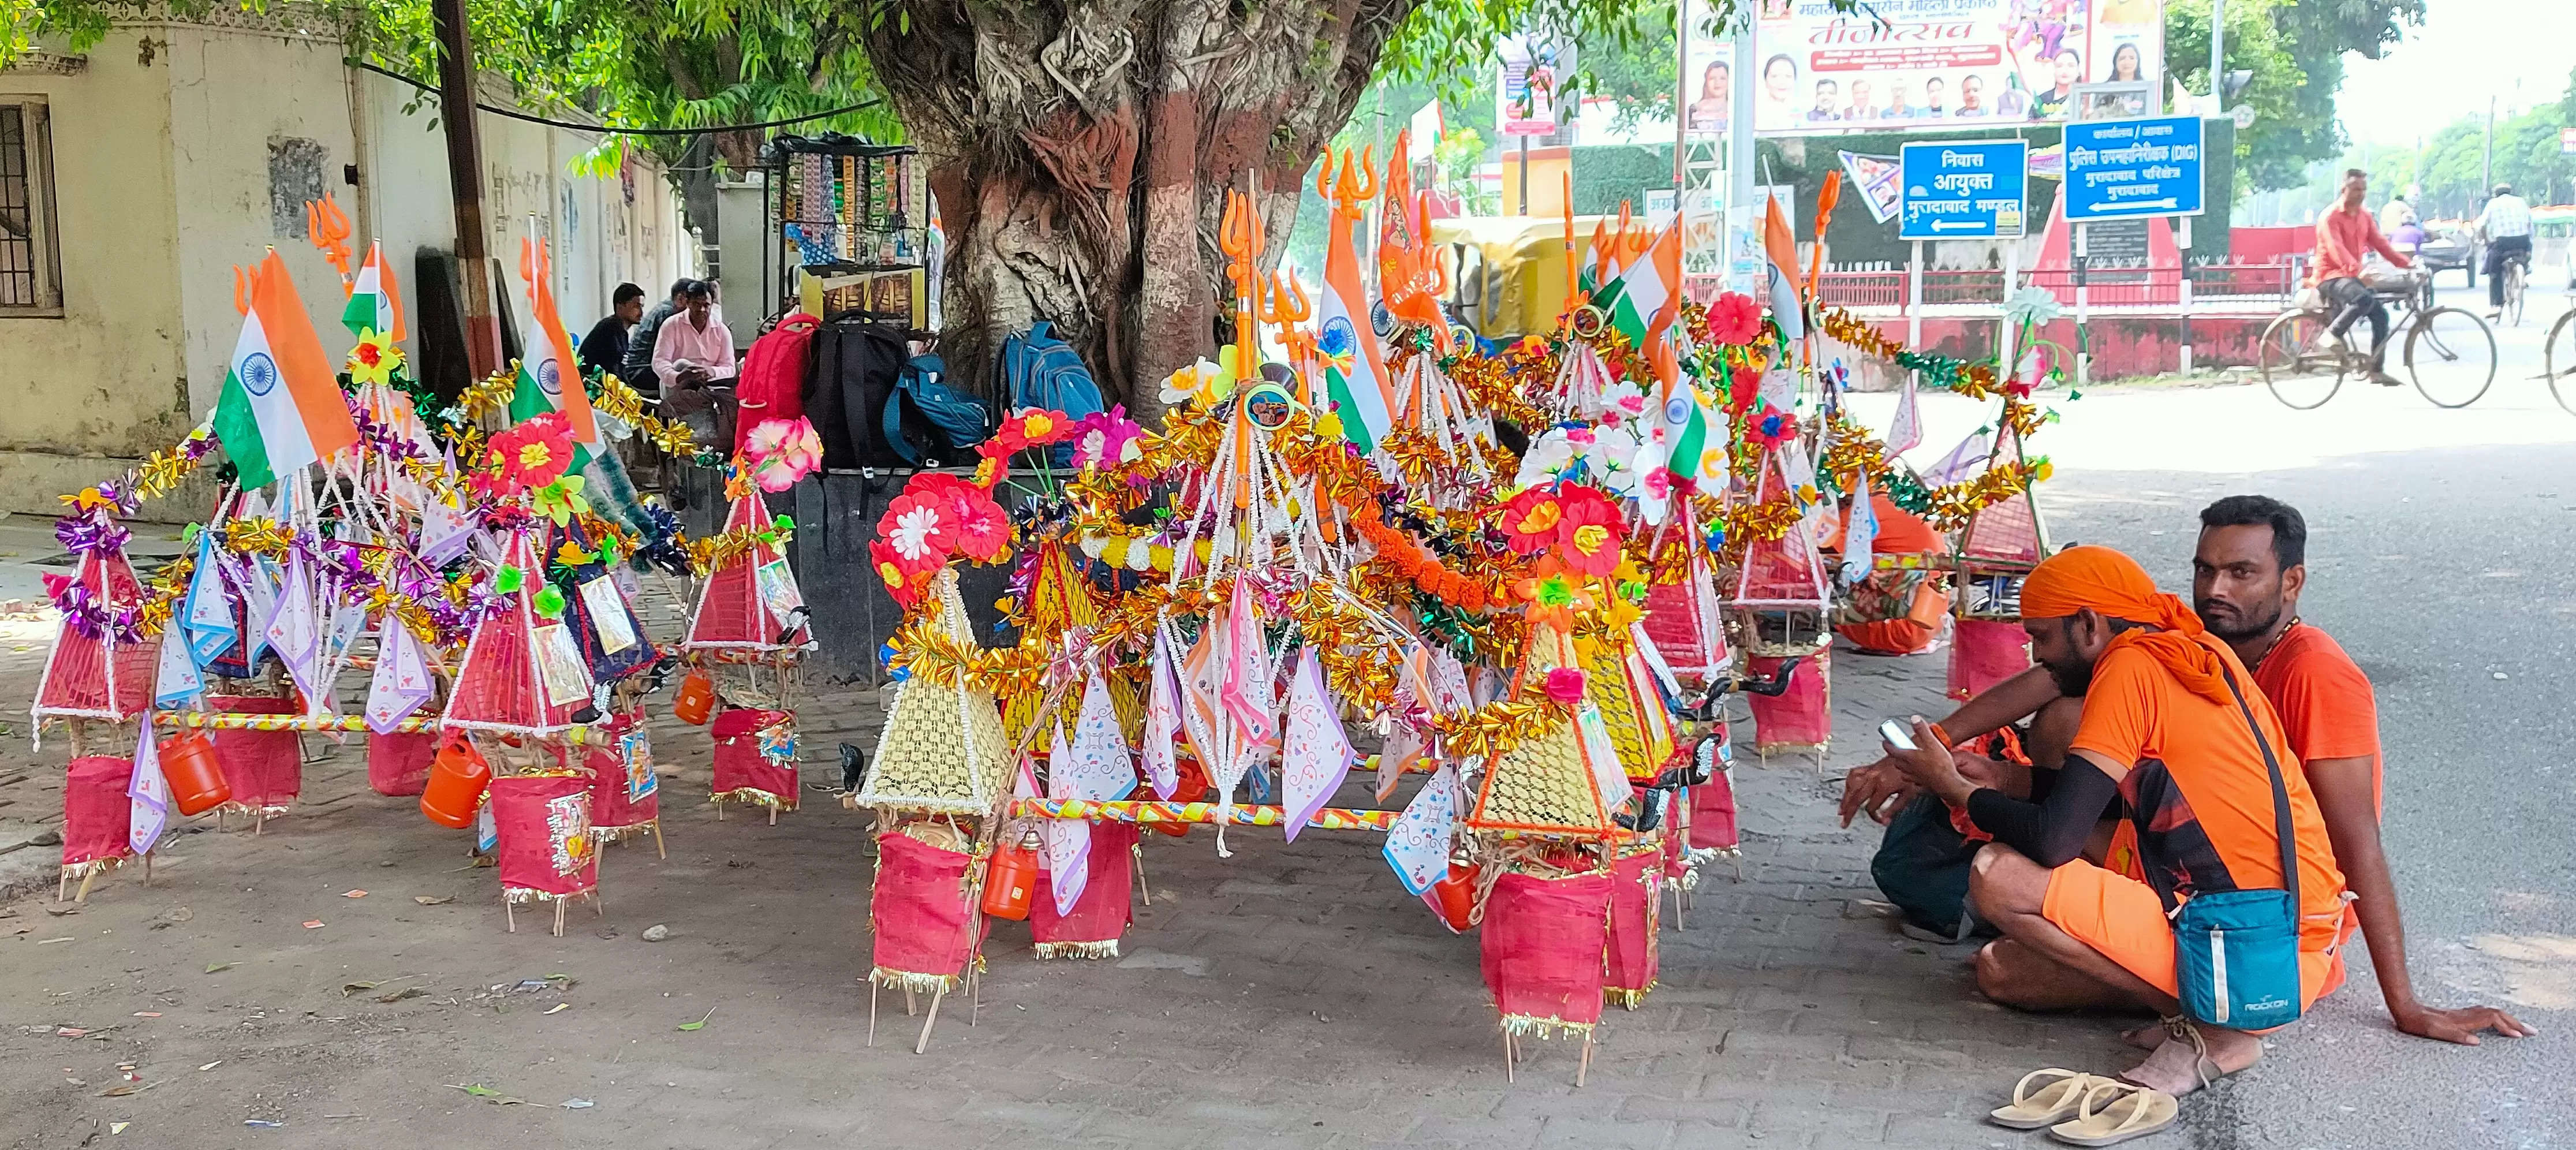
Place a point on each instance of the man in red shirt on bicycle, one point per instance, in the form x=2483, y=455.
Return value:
x=2344, y=233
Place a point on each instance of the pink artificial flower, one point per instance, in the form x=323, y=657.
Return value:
x=1565, y=685
x=1106, y=439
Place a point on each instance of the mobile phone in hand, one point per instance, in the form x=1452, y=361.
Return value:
x=1896, y=735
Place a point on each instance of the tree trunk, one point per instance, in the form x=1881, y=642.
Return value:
x=1081, y=153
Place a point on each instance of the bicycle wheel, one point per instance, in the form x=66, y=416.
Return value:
x=2452, y=355
x=2558, y=359
x=2299, y=376
x=2514, y=285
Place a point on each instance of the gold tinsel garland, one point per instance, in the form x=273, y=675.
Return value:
x=1854, y=450
x=1972, y=379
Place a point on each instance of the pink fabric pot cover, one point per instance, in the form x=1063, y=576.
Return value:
x=544, y=826
x=1103, y=910
x=264, y=768
x=1984, y=652
x=611, y=777
x=1803, y=715
x=740, y=761
x=1631, y=961
x=399, y=764
x=1542, y=943
x=1712, y=813
x=95, y=809
x=924, y=924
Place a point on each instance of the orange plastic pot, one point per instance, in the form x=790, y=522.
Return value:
x=1010, y=882
x=696, y=699
x=195, y=774
x=457, y=780
x=1191, y=787
x=1457, y=897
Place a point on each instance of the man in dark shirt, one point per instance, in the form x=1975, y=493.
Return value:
x=604, y=349
x=637, y=370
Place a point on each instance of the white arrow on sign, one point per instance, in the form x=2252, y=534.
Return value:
x=1959, y=225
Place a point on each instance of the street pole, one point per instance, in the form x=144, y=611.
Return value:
x=1525, y=207
x=2217, y=57
x=465, y=183
x=2486, y=159
x=1743, y=223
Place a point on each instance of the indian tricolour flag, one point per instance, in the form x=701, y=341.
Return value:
x=281, y=406
x=375, y=303
x=549, y=375
x=1652, y=284
x=1354, y=370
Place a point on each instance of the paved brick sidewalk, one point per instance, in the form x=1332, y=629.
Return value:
x=1290, y=996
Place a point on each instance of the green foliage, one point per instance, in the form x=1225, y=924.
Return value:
x=2295, y=50
x=639, y=63
x=2453, y=172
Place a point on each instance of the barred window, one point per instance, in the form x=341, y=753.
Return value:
x=30, y=260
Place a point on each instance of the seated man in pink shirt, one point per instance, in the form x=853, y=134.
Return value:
x=693, y=348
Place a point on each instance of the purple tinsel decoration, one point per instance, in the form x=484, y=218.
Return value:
x=84, y=534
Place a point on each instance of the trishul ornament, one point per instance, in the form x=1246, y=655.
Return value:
x=1242, y=238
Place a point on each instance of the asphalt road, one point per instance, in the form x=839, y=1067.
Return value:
x=2438, y=557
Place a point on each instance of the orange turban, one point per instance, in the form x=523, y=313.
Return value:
x=2115, y=587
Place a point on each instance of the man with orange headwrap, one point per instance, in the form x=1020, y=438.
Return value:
x=2248, y=569
x=2164, y=737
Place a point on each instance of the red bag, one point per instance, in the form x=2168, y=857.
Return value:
x=1543, y=945
x=772, y=381
x=924, y=926
x=96, y=810
x=1635, y=903
x=398, y=764
x=1101, y=913
x=265, y=768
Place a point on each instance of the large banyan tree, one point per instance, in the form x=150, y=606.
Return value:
x=1080, y=150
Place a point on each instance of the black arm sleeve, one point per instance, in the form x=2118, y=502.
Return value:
x=2053, y=832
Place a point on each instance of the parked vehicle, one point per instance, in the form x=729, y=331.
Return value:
x=2446, y=247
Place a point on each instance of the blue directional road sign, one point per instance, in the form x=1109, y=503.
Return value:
x=2133, y=169
x=1973, y=189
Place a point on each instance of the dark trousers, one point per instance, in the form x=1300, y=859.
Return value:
x=2352, y=299
x=2499, y=250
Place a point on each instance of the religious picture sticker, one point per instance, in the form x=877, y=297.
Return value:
x=635, y=749
x=559, y=661
x=607, y=611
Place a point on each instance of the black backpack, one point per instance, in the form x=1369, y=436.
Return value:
x=848, y=382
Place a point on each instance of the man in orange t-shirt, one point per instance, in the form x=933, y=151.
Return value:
x=2346, y=233
x=2172, y=736
x=2248, y=571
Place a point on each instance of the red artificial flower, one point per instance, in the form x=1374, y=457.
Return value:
x=1735, y=319
x=901, y=580
x=921, y=527
x=533, y=454
x=1587, y=532
x=1529, y=520
x=1028, y=427
x=1743, y=386
x=1770, y=426
x=983, y=528
x=978, y=528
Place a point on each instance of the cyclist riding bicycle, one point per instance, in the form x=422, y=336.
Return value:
x=2344, y=234
x=2506, y=224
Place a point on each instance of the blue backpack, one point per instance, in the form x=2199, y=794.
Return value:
x=1046, y=372
x=956, y=417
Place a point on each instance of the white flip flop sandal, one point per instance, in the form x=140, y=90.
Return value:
x=2048, y=1103
x=2115, y=1112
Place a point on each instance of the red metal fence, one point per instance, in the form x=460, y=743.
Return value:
x=2231, y=286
